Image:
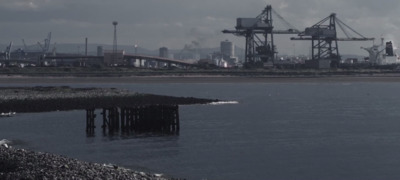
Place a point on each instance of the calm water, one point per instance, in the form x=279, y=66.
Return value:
x=277, y=131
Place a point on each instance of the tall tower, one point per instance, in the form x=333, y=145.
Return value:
x=163, y=52
x=115, y=47
x=227, y=49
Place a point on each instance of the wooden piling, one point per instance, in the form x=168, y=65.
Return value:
x=90, y=117
x=141, y=119
x=123, y=118
x=177, y=123
x=104, y=113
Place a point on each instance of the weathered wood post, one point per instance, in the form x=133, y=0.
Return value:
x=136, y=118
x=123, y=118
x=111, y=120
x=128, y=117
x=104, y=113
x=177, y=124
x=116, y=116
x=139, y=119
x=90, y=125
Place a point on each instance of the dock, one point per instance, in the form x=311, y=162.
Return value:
x=121, y=110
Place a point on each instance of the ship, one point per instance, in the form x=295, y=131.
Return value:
x=383, y=54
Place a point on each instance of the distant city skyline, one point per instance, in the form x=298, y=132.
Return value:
x=152, y=24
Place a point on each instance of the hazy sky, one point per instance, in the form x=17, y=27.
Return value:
x=174, y=23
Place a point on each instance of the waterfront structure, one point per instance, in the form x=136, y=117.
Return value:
x=122, y=109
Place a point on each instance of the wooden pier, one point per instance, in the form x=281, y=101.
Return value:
x=122, y=110
x=163, y=119
x=90, y=125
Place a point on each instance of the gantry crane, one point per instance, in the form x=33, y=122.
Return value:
x=324, y=40
x=25, y=46
x=46, y=46
x=7, y=52
x=260, y=50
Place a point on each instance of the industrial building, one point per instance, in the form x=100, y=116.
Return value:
x=100, y=51
x=228, y=53
x=114, y=58
x=227, y=49
x=163, y=52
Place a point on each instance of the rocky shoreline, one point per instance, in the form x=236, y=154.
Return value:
x=25, y=164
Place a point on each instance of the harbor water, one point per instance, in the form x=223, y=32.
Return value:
x=275, y=131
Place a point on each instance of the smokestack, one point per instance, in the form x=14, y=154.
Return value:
x=389, y=48
x=86, y=44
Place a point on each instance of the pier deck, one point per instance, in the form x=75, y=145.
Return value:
x=63, y=98
x=121, y=109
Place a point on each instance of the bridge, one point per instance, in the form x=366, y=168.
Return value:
x=135, y=57
x=159, y=59
x=73, y=57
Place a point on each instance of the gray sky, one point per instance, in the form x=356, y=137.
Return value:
x=174, y=23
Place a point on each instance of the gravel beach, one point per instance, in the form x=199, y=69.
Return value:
x=25, y=164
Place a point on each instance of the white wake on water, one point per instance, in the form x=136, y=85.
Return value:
x=4, y=142
x=224, y=102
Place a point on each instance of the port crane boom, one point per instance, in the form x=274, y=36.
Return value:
x=45, y=48
x=260, y=50
x=324, y=38
x=25, y=46
x=8, y=51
